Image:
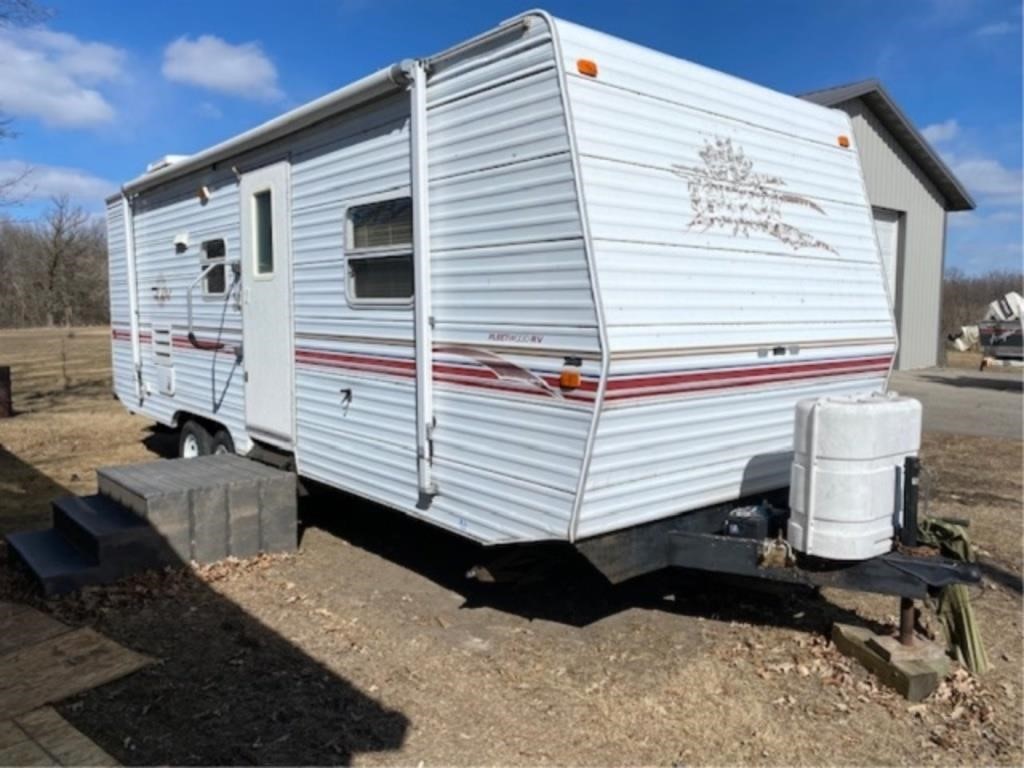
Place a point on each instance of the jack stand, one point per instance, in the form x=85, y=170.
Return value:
x=907, y=615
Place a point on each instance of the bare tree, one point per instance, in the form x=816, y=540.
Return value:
x=53, y=271
x=69, y=245
x=966, y=297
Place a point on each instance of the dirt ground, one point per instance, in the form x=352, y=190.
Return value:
x=370, y=646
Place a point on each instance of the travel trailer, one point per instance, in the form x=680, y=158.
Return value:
x=544, y=285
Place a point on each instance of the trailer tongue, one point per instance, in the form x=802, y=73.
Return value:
x=851, y=522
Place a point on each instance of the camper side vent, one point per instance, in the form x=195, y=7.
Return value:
x=162, y=348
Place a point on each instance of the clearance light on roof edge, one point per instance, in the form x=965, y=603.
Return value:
x=844, y=141
x=586, y=67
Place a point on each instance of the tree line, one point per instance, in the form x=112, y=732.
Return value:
x=53, y=271
x=965, y=298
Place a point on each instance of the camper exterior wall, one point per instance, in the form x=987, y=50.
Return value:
x=511, y=293
x=175, y=376
x=569, y=225
x=511, y=299
x=120, y=312
x=738, y=269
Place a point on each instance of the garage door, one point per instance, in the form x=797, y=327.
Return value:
x=887, y=225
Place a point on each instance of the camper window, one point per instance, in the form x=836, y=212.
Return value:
x=213, y=252
x=379, y=252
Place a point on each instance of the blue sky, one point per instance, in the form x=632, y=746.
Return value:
x=104, y=87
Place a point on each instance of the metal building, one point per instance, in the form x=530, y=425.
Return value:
x=910, y=190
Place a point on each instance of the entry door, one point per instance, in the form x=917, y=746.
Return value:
x=266, y=304
x=887, y=227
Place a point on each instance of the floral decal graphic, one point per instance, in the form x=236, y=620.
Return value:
x=726, y=193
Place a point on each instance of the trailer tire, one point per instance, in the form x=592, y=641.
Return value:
x=194, y=440
x=222, y=442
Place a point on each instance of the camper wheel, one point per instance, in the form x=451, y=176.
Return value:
x=222, y=442
x=194, y=441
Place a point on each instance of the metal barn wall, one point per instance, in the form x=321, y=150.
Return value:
x=894, y=181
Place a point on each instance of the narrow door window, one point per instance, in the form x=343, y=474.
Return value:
x=264, y=226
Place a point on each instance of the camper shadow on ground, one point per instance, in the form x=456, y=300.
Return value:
x=226, y=688
x=552, y=581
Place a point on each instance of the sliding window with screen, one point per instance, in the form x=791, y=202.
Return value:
x=379, y=252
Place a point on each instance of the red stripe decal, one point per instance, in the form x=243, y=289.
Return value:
x=479, y=374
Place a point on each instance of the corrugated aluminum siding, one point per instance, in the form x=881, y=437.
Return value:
x=716, y=330
x=120, y=311
x=206, y=383
x=894, y=181
x=509, y=278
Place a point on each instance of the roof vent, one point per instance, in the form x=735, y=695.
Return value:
x=164, y=162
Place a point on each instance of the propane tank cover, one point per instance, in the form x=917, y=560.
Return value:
x=846, y=490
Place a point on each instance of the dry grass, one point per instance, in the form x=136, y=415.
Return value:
x=369, y=646
x=67, y=421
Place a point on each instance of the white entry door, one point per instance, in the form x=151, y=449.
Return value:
x=887, y=227
x=266, y=304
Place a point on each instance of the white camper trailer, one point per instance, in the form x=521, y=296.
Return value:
x=544, y=285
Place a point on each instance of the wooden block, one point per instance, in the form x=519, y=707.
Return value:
x=923, y=649
x=27, y=627
x=60, y=667
x=913, y=678
x=62, y=740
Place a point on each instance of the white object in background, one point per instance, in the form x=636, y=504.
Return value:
x=1010, y=307
x=846, y=494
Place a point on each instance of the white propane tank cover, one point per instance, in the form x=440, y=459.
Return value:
x=846, y=490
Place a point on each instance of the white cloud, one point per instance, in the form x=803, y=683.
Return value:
x=994, y=29
x=974, y=219
x=990, y=180
x=39, y=182
x=210, y=62
x=937, y=133
x=55, y=76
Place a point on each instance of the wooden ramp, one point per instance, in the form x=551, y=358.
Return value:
x=43, y=661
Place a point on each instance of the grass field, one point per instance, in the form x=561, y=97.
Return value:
x=369, y=646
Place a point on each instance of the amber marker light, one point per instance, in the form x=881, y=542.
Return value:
x=570, y=378
x=586, y=67
x=844, y=141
